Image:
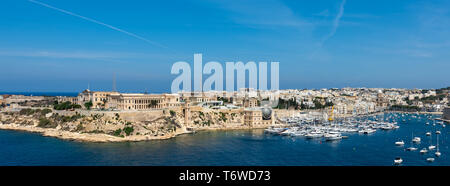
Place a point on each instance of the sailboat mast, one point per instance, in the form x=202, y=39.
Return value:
x=437, y=143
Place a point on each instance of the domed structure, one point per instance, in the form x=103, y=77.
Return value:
x=266, y=113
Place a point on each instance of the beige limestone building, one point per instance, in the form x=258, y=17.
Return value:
x=143, y=101
x=254, y=117
x=124, y=101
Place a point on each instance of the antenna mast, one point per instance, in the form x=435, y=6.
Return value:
x=114, y=88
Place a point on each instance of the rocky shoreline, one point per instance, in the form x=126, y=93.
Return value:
x=104, y=138
x=118, y=127
x=84, y=137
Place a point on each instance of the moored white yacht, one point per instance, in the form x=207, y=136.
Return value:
x=274, y=130
x=367, y=131
x=416, y=140
x=437, y=153
x=423, y=151
x=400, y=143
x=314, y=134
x=398, y=160
x=332, y=136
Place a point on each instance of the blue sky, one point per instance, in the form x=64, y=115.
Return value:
x=319, y=44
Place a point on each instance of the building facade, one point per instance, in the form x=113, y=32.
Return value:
x=254, y=117
x=124, y=101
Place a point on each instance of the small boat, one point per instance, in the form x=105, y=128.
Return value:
x=430, y=159
x=273, y=130
x=416, y=140
x=431, y=147
x=314, y=134
x=438, y=132
x=428, y=133
x=331, y=137
x=398, y=160
x=367, y=131
x=437, y=153
x=400, y=143
x=423, y=151
x=411, y=149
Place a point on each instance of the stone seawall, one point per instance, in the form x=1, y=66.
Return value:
x=446, y=114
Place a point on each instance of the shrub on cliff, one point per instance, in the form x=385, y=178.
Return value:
x=117, y=132
x=26, y=111
x=128, y=130
x=172, y=113
x=65, y=106
x=46, y=123
x=45, y=111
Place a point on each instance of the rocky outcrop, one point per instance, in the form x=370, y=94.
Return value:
x=96, y=127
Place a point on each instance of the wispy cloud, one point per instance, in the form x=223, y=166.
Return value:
x=60, y=55
x=57, y=56
x=262, y=13
x=82, y=55
x=335, y=23
x=99, y=23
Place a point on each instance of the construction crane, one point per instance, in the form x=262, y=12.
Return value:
x=330, y=118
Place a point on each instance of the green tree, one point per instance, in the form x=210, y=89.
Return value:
x=128, y=130
x=88, y=105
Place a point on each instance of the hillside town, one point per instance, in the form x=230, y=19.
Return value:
x=102, y=116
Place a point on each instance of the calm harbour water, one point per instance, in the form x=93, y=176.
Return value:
x=239, y=147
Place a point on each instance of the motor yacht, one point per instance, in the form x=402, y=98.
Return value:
x=314, y=134
x=332, y=136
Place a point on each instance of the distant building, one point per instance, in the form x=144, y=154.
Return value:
x=251, y=103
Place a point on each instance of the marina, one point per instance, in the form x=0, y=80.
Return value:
x=245, y=147
x=333, y=130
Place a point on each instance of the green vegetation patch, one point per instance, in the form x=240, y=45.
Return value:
x=46, y=123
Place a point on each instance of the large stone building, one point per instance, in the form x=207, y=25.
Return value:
x=124, y=101
x=258, y=117
x=98, y=98
x=142, y=101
